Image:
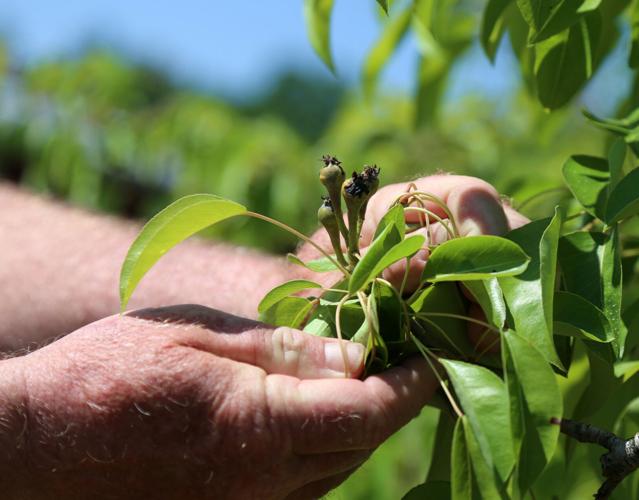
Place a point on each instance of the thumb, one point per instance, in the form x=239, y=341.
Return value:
x=288, y=351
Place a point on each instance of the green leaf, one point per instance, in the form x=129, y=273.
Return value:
x=289, y=311
x=384, y=5
x=626, y=369
x=384, y=48
x=489, y=296
x=321, y=265
x=430, y=489
x=580, y=262
x=547, y=18
x=612, y=283
x=284, y=290
x=633, y=58
x=564, y=62
x=542, y=400
x=529, y=296
x=616, y=157
x=375, y=261
x=317, y=14
x=574, y=315
x=444, y=332
x=624, y=198
x=588, y=177
x=488, y=483
x=474, y=258
x=393, y=217
x=484, y=399
x=174, y=224
x=461, y=482
x=493, y=26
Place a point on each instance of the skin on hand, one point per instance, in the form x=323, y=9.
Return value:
x=189, y=402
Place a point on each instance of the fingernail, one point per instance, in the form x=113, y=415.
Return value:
x=334, y=356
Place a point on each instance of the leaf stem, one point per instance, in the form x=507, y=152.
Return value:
x=301, y=236
x=427, y=353
x=461, y=316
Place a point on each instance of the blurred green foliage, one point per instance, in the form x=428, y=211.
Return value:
x=117, y=137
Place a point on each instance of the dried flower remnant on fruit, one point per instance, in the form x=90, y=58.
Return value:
x=332, y=174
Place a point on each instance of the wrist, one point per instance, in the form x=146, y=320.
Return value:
x=13, y=424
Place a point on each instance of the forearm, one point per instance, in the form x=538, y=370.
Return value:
x=59, y=270
x=13, y=428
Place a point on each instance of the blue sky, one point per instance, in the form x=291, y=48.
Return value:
x=233, y=46
x=238, y=46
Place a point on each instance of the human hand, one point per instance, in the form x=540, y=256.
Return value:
x=189, y=402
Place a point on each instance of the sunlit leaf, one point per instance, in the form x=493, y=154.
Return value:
x=174, y=224
x=549, y=18
x=529, y=296
x=321, y=265
x=616, y=157
x=284, y=290
x=318, y=25
x=474, y=258
x=489, y=296
x=484, y=399
x=624, y=198
x=395, y=218
x=588, y=177
x=581, y=317
x=378, y=258
x=493, y=26
x=542, y=400
x=565, y=61
x=612, y=282
x=379, y=55
x=461, y=481
x=289, y=311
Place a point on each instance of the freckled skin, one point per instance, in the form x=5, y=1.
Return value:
x=176, y=403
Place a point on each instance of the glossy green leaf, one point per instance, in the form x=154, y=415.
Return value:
x=602, y=383
x=588, y=177
x=565, y=61
x=321, y=265
x=375, y=261
x=174, y=224
x=563, y=15
x=624, y=198
x=612, y=283
x=542, y=400
x=490, y=486
x=489, y=296
x=317, y=14
x=493, y=26
x=574, y=315
x=384, y=48
x=529, y=296
x=393, y=217
x=474, y=258
x=484, y=399
x=580, y=261
x=284, y=290
x=461, y=481
x=290, y=311
x=626, y=369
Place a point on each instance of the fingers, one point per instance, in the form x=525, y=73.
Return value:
x=281, y=350
x=338, y=415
